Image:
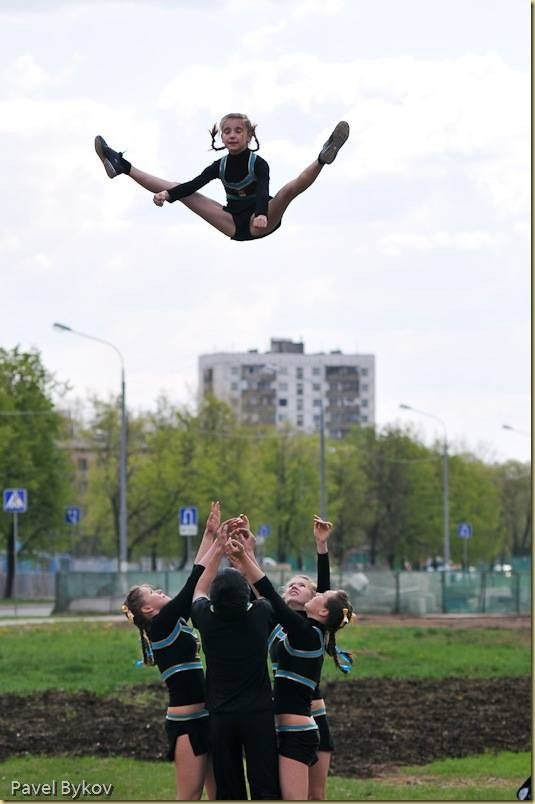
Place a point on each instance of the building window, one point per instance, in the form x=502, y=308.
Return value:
x=82, y=464
x=364, y=403
x=316, y=370
x=299, y=373
x=299, y=421
x=283, y=386
x=283, y=370
x=235, y=369
x=364, y=386
x=299, y=389
x=364, y=372
x=283, y=403
x=299, y=404
x=364, y=418
x=317, y=403
x=234, y=386
x=316, y=386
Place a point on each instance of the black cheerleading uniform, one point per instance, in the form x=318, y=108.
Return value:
x=278, y=634
x=176, y=653
x=239, y=699
x=300, y=659
x=245, y=177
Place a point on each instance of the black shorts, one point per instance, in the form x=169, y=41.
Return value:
x=326, y=740
x=299, y=745
x=242, y=221
x=198, y=731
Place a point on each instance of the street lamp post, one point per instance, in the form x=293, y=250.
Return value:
x=445, y=487
x=123, y=555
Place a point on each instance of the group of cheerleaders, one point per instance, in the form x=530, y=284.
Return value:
x=213, y=721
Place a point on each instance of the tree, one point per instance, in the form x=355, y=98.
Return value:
x=30, y=456
x=513, y=480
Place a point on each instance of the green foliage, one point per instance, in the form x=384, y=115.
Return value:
x=30, y=456
x=384, y=487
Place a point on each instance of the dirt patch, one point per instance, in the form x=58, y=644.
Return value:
x=377, y=724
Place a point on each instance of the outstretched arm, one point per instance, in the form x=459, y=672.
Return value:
x=322, y=531
x=211, y=562
x=210, y=530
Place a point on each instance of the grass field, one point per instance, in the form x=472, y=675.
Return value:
x=488, y=777
x=101, y=656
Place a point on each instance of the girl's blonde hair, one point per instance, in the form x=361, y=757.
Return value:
x=132, y=609
x=251, y=129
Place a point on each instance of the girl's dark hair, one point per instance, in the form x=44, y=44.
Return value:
x=251, y=129
x=132, y=610
x=229, y=593
x=340, y=614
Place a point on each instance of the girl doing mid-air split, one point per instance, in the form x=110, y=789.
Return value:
x=250, y=211
x=168, y=642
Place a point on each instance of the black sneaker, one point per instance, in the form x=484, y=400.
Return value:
x=334, y=143
x=113, y=161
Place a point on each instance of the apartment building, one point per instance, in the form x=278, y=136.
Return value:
x=285, y=384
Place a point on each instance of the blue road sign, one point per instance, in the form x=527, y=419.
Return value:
x=264, y=530
x=464, y=530
x=73, y=515
x=15, y=501
x=188, y=520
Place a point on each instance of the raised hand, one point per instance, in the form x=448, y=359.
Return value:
x=214, y=518
x=235, y=550
x=322, y=530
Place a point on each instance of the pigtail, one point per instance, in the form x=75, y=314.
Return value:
x=343, y=659
x=146, y=649
x=131, y=610
x=213, y=133
x=340, y=615
x=253, y=135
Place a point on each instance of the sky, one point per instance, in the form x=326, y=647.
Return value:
x=414, y=245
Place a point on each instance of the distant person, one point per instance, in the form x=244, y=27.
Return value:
x=168, y=642
x=250, y=212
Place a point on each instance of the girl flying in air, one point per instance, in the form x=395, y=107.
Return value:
x=250, y=211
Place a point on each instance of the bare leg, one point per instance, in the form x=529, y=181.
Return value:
x=190, y=770
x=293, y=776
x=206, y=208
x=279, y=204
x=317, y=776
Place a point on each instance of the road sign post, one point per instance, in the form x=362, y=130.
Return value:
x=73, y=516
x=464, y=531
x=15, y=502
x=188, y=525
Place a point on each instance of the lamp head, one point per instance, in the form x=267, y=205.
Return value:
x=62, y=327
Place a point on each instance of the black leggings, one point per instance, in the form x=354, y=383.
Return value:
x=234, y=733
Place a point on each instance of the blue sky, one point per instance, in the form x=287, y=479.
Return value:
x=414, y=245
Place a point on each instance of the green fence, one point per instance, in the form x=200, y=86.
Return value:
x=376, y=592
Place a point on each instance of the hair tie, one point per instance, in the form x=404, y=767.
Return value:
x=126, y=611
x=345, y=620
x=347, y=664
